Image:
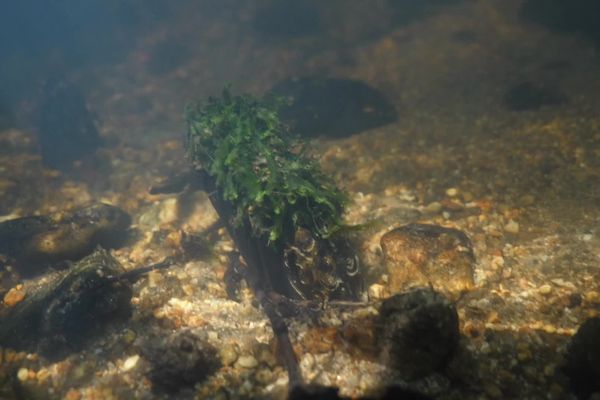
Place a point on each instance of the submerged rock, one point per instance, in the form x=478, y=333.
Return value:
x=332, y=107
x=65, y=314
x=287, y=19
x=417, y=332
x=66, y=129
x=583, y=359
x=428, y=255
x=573, y=16
x=405, y=12
x=38, y=241
x=528, y=96
x=318, y=392
x=179, y=361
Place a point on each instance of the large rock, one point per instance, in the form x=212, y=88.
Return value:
x=417, y=332
x=64, y=315
x=179, y=361
x=332, y=107
x=583, y=359
x=35, y=242
x=419, y=255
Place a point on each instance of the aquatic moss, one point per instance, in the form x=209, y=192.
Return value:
x=265, y=173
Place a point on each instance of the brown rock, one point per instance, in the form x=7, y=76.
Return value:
x=428, y=255
x=14, y=295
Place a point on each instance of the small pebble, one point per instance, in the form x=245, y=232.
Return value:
x=592, y=296
x=452, y=192
x=307, y=362
x=264, y=376
x=128, y=336
x=376, y=291
x=23, y=374
x=493, y=391
x=247, y=361
x=511, y=227
x=168, y=211
x=527, y=200
x=549, y=370
x=42, y=375
x=155, y=278
x=130, y=363
x=14, y=296
x=545, y=289
x=433, y=208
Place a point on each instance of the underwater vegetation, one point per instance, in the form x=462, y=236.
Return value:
x=332, y=107
x=273, y=191
x=267, y=177
x=267, y=191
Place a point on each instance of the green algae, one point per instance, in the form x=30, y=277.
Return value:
x=264, y=172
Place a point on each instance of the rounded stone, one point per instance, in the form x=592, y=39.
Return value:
x=247, y=361
x=417, y=332
x=228, y=353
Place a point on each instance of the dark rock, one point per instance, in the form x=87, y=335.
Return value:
x=318, y=392
x=179, y=361
x=529, y=96
x=287, y=18
x=312, y=391
x=428, y=255
x=67, y=313
x=66, y=129
x=38, y=241
x=408, y=11
x=167, y=56
x=417, y=332
x=332, y=107
x=573, y=16
x=400, y=393
x=583, y=359
x=7, y=119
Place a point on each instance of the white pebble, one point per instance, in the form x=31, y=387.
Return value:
x=130, y=363
x=247, y=362
x=545, y=289
x=23, y=374
x=376, y=291
x=452, y=192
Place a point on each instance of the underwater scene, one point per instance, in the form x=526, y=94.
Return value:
x=300, y=199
